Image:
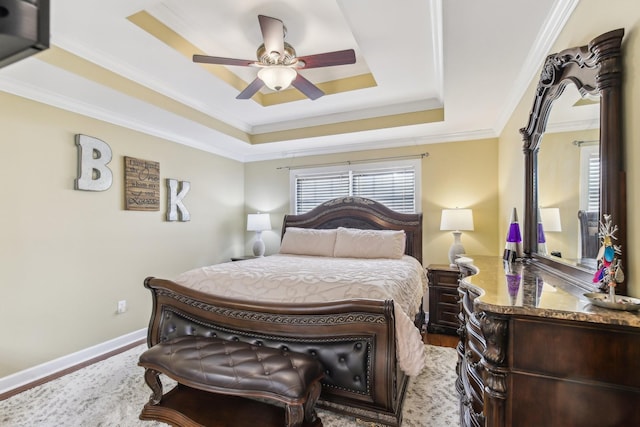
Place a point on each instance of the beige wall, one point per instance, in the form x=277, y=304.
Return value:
x=68, y=256
x=590, y=19
x=559, y=186
x=461, y=174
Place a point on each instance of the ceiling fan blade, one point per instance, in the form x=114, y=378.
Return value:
x=340, y=57
x=305, y=86
x=222, y=61
x=251, y=90
x=272, y=34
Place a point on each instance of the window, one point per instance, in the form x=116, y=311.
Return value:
x=590, y=178
x=394, y=184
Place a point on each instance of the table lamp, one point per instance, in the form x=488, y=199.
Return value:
x=456, y=221
x=548, y=221
x=258, y=222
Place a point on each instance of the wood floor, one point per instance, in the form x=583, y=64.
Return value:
x=441, y=340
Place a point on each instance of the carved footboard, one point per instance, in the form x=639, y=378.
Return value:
x=354, y=340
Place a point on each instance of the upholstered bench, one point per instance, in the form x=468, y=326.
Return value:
x=239, y=369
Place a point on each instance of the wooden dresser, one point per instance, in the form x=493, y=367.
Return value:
x=534, y=352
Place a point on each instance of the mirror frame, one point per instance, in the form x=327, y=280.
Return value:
x=595, y=69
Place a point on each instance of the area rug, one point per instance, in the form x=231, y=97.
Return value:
x=112, y=392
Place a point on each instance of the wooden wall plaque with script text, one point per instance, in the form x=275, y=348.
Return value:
x=142, y=185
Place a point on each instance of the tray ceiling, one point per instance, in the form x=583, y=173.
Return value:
x=429, y=71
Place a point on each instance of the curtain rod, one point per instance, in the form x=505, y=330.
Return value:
x=579, y=143
x=351, y=162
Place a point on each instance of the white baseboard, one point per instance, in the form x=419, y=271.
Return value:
x=43, y=370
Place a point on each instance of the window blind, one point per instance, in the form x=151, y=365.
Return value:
x=593, y=181
x=312, y=190
x=393, y=187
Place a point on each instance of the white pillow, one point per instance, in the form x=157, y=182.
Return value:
x=308, y=241
x=355, y=243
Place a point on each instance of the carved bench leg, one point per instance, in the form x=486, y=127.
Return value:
x=310, y=405
x=294, y=415
x=152, y=378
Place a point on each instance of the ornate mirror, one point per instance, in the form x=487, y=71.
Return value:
x=558, y=170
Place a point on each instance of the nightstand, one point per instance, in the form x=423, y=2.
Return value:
x=443, y=299
x=242, y=258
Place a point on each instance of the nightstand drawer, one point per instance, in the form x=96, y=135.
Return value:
x=446, y=278
x=449, y=318
x=443, y=299
x=448, y=297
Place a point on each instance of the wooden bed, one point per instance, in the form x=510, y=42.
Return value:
x=354, y=339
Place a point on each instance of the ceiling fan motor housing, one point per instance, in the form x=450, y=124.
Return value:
x=273, y=58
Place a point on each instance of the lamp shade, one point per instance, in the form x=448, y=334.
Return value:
x=277, y=77
x=456, y=219
x=258, y=222
x=550, y=218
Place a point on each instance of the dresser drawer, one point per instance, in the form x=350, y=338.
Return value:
x=577, y=351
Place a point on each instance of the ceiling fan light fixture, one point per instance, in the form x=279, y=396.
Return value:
x=277, y=77
x=278, y=62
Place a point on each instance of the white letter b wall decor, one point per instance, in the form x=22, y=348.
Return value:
x=93, y=157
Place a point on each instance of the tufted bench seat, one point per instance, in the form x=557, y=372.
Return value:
x=239, y=369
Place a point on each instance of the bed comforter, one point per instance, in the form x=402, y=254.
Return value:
x=307, y=279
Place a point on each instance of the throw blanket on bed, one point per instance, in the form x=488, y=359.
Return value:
x=296, y=278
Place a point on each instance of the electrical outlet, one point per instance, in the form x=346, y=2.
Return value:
x=122, y=306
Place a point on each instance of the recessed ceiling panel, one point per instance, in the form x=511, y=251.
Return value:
x=426, y=70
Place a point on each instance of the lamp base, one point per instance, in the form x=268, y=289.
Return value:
x=258, y=245
x=456, y=248
x=542, y=248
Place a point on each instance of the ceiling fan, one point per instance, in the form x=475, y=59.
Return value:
x=279, y=64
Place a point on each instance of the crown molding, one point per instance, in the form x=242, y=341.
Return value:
x=547, y=36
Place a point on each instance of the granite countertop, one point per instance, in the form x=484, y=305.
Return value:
x=526, y=289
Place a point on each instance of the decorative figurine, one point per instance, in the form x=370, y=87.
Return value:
x=513, y=247
x=609, y=272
